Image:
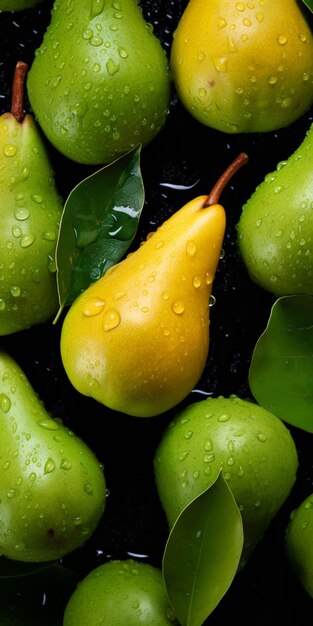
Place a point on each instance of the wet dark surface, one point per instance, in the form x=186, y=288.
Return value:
x=186, y=155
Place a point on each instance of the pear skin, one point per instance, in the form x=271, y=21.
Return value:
x=137, y=339
x=275, y=229
x=31, y=210
x=253, y=448
x=243, y=66
x=107, y=89
x=52, y=487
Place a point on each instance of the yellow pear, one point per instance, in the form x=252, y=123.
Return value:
x=137, y=339
x=244, y=66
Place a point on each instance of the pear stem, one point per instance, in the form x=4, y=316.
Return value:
x=214, y=196
x=17, y=103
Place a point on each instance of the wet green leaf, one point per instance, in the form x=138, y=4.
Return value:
x=309, y=4
x=99, y=221
x=281, y=369
x=202, y=553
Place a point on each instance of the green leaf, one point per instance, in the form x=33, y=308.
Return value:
x=99, y=221
x=281, y=368
x=309, y=4
x=202, y=553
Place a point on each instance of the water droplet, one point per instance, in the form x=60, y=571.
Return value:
x=16, y=231
x=112, y=67
x=93, y=306
x=48, y=424
x=87, y=34
x=224, y=417
x=208, y=278
x=32, y=476
x=183, y=456
x=188, y=434
x=5, y=403
x=96, y=41
x=49, y=235
x=196, y=281
x=220, y=63
x=15, y=291
x=246, y=21
x=9, y=149
x=240, y=6
x=231, y=45
x=37, y=197
x=88, y=488
x=123, y=53
x=27, y=240
x=282, y=40
x=208, y=445
x=221, y=23
x=302, y=37
x=212, y=300
x=65, y=464
x=178, y=307
x=97, y=7
x=272, y=80
x=49, y=466
x=209, y=458
x=21, y=214
x=111, y=319
x=11, y=493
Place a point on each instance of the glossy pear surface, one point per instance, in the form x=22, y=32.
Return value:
x=106, y=89
x=52, y=487
x=243, y=66
x=30, y=213
x=299, y=543
x=137, y=339
x=275, y=229
x=254, y=449
x=118, y=593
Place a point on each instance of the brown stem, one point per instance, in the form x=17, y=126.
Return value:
x=214, y=196
x=17, y=103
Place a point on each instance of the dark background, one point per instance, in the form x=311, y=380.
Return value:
x=188, y=154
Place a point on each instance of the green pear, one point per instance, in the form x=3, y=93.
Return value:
x=118, y=593
x=137, y=339
x=52, y=487
x=17, y=5
x=243, y=66
x=31, y=209
x=275, y=228
x=99, y=83
x=299, y=543
x=252, y=447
